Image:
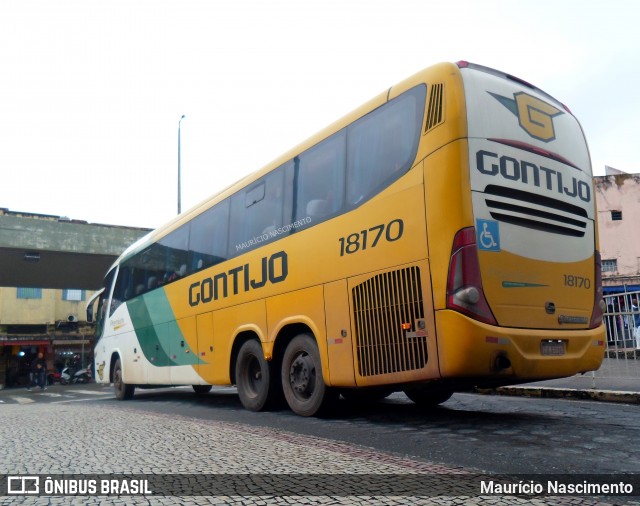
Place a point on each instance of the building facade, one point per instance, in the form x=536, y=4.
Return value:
x=56, y=265
x=36, y=320
x=618, y=203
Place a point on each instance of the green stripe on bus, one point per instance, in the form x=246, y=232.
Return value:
x=155, y=351
x=161, y=339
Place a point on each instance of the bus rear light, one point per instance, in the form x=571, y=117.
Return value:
x=464, y=283
x=599, y=305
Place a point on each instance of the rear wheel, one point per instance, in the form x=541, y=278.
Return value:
x=201, y=389
x=428, y=397
x=253, y=377
x=123, y=391
x=302, y=383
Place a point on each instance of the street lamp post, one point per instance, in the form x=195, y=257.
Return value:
x=179, y=178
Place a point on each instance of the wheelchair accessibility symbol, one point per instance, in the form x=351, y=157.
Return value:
x=488, y=235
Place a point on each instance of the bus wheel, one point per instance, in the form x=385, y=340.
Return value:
x=201, y=389
x=253, y=376
x=302, y=383
x=123, y=391
x=428, y=397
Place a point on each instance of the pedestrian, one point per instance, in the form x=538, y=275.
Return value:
x=38, y=372
x=635, y=310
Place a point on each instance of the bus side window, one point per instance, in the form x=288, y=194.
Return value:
x=320, y=180
x=382, y=145
x=175, y=248
x=122, y=289
x=257, y=214
x=208, y=237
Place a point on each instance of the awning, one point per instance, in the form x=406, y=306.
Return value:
x=25, y=342
x=620, y=289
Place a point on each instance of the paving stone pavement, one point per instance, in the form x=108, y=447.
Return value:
x=54, y=439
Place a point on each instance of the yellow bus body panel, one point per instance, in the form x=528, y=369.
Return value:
x=448, y=209
x=340, y=340
x=483, y=343
x=536, y=284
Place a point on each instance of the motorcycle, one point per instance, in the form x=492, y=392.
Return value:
x=69, y=375
x=53, y=377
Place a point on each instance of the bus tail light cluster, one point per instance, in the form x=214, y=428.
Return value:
x=464, y=284
x=598, y=302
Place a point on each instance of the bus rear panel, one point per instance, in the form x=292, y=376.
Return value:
x=523, y=289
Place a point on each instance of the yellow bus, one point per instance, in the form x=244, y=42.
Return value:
x=438, y=238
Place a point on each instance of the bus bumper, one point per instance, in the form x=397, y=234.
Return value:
x=468, y=348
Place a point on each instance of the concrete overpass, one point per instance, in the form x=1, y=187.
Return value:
x=45, y=251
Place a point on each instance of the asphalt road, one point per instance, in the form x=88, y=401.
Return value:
x=71, y=428
x=489, y=433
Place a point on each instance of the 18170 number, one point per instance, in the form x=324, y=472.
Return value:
x=576, y=281
x=369, y=238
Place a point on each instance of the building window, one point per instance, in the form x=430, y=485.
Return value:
x=616, y=215
x=610, y=265
x=73, y=295
x=29, y=293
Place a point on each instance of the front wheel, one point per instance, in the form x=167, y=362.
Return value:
x=123, y=391
x=302, y=383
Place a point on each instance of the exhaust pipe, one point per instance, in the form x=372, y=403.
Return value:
x=501, y=363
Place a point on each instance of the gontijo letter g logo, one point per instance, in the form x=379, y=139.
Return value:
x=534, y=115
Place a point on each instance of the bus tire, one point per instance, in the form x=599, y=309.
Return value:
x=253, y=377
x=123, y=391
x=201, y=389
x=302, y=383
x=427, y=397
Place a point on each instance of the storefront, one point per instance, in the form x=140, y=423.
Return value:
x=16, y=356
x=74, y=353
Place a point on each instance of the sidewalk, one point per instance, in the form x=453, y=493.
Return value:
x=618, y=380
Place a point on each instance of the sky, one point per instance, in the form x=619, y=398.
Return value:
x=92, y=91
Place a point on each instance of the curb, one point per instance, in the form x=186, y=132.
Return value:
x=565, y=393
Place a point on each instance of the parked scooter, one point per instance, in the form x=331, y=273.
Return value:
x=69, y=375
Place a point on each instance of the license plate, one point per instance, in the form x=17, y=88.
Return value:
x=553, y=347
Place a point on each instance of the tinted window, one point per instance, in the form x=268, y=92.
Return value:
x=160, y=263
x=208, y=237
x=175, y=249
x=102, y=304
x=376, y=150
x=382, y=145
x=320, y=180
x=257, y=213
